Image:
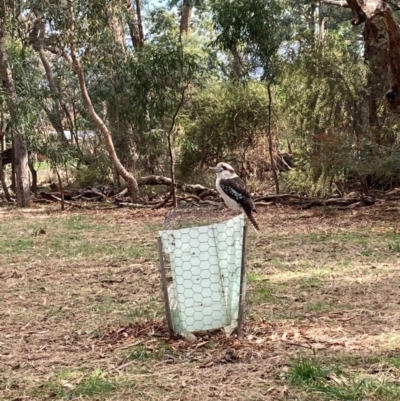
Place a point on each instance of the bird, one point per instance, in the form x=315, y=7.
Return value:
x=234, y=191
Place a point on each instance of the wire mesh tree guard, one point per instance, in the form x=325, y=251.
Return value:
x=203, y=271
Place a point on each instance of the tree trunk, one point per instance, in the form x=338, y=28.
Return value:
x=186, y=17
x=135, y=30
x=377, y=58
x=269, y=135
x=116, y=27
x=122, y=135
x=61, y=189
x=3, y=181
x=364, y=10
x=172, y=170
x=21, y=171
x=237, y=63
x=3, y=127
x=20, y=148
x=131, y=182
x=139, y=21
x=55, y=114
x=34, y=177
x=371, y=9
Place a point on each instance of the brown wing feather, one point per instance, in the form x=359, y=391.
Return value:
x=236, y=189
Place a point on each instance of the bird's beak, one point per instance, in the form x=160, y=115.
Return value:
x=216, y=169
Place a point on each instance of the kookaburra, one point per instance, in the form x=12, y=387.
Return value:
x=233, y=191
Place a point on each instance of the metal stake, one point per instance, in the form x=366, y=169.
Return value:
x=242, y=282
x=164, y=288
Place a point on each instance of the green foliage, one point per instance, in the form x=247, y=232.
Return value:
x=27, y=79
x=249, y=24
x=96, y=172
x=379, y=163
x=159, y=78
x=227, y=120
x=206, y=89
x=317, y=98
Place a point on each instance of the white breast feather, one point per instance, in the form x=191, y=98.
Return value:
x=231, y=203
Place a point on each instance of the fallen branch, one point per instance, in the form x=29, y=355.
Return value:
x=135, y=205
x=343, y=202
x=281, y=196
x=57, y=199
x=196, y=189
x=164, y=202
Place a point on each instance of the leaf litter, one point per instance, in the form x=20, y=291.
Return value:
x=79, y=312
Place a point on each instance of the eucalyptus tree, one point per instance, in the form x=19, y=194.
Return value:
x=80, y=22
x=336, y=114
x=76, y=36
x=372, y=11
x=15, y=109
x=186, y=8
x=135, y=22
x=251, y=31
x=225, y=122
x=164, y=77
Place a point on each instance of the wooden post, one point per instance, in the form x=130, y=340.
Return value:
x=242, y=282
x=164, y=288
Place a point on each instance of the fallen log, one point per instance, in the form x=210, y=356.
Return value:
x=342, y=202
x=54, y=198
x=195, y=189
x=269, y=198
x=68, y=195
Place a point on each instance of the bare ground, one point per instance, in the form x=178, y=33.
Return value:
x=81, y=317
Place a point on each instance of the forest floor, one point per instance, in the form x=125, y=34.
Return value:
x=81, y=316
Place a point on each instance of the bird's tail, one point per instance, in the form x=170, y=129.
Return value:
x=252, y=220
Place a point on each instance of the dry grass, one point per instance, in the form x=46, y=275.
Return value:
x=80, y=314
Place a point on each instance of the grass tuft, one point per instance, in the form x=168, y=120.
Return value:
x=70, y=385
x=360, y=390
x=306, y=371
x=158, y=352
x=394, y=245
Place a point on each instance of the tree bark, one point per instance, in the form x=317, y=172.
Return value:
x=131, y=182
x=372, y=9
x=116, y=27
x=364, y=10
x=269, y=137
x=20, y=147
x=376, y=56
x=3, y=127
x=61, y=190
x=186, y=16
x=34, y=178
x=55, y=113
x=237, y=63
x=134, y=21
x=358, y=13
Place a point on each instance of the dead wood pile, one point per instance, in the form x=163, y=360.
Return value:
x=201, y=195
